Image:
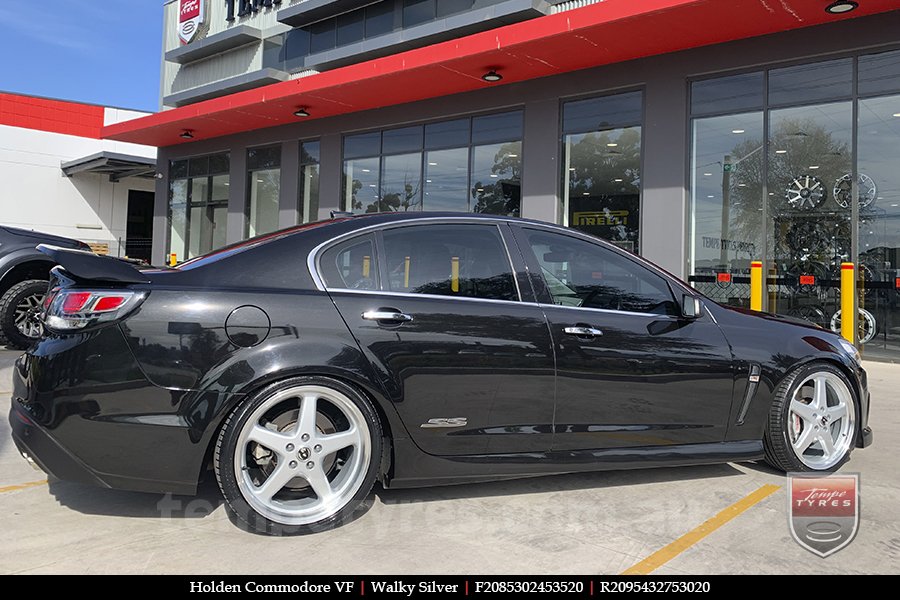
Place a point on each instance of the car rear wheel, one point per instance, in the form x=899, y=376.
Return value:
x=300, y=456
x=20, y=313
x=812, y=422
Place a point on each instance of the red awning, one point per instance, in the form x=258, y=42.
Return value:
x=598, y=34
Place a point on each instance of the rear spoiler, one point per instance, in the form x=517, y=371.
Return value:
x=89, y=266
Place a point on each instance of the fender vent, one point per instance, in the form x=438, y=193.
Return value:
x=752, y=385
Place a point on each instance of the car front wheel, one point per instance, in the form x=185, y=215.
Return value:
x=300, y=456
x=812, y=421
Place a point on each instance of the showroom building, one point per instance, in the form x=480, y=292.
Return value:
x=700, y=134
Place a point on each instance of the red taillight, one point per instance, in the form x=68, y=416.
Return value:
x=49, y=296
x=77, y=309
x=74, y=302
x=106, y=303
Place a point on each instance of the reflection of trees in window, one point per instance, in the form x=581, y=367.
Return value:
x=406, y=198
x=795, y=145
x=500, y=195
x=593, y=164
x=355, y=186
x=604, y=181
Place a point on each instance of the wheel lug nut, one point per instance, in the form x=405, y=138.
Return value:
x=310, y=465
x=290, y=448
x=317, y=448
x=305, y=437
x=293, y=464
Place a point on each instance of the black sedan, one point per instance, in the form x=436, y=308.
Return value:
x=413, y=350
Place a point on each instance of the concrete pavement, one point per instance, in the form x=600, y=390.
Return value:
x=588, y=523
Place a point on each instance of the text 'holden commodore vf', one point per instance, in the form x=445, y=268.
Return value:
x=413, y=350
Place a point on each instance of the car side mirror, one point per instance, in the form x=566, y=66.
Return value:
x=691, y=307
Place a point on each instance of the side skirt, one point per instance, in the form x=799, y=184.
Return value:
x=414, y=468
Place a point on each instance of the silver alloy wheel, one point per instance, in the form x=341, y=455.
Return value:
x=822, y=420
x=27, y=315
x=299, y=452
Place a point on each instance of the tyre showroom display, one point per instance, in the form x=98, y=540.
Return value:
x=809, y=250
x=811, y=236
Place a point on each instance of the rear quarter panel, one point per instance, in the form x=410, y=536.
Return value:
x=180, y=342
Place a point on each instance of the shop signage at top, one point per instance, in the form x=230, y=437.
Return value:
x=190, y=16
x=243, y=8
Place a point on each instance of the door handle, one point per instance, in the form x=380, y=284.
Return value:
x=389, y=315
x=583, y=331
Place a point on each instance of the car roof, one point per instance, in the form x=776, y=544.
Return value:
x=391, y=217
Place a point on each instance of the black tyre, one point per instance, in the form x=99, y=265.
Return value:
x=20, y=311
x=299, y=456
x=812, y=421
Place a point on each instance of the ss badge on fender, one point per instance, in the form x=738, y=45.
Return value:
x=445, y=422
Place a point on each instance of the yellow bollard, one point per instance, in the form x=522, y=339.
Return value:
x=367, y=265
x=173, y=259
x=454, y=274
x=848, y=310
x=756, y=285
x=406, y=274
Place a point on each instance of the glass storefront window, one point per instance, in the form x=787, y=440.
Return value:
x=879, y=73
x=735, y=93
x=198, y=205
x=726, y=200
x=811, y=82
x=466, y=165
x=878, y=193
x=447, y=179
x=602, y=167
x=263, y=190
x=309, y=181
x=810, y=151
x=787, y=198
x=401, y=182
x=496, y=179
x=361, y=185
x=178, y=194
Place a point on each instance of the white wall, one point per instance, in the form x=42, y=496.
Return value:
x=34, y=193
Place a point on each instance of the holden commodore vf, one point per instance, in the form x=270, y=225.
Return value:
x=422, y=349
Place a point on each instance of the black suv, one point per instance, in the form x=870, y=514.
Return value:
x=24, y=273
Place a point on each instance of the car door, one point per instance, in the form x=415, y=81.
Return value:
x=436, y=307
x=630, y=370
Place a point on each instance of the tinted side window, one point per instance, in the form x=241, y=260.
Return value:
x=449, y=260
x=350, y=265
x=581, y=274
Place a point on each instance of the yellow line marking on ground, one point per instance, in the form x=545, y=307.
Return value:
x=22, y=486
x=667, y=553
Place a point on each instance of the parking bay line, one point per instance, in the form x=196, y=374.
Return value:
x=670, y=551
x=22, y=486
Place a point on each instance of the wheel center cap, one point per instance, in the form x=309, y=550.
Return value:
x=824, y=420
x=303, y=453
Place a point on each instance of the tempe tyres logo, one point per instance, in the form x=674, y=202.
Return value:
x=824, y=511
x=190, y=17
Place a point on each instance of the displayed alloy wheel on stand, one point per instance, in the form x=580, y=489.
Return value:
x=866, y=327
